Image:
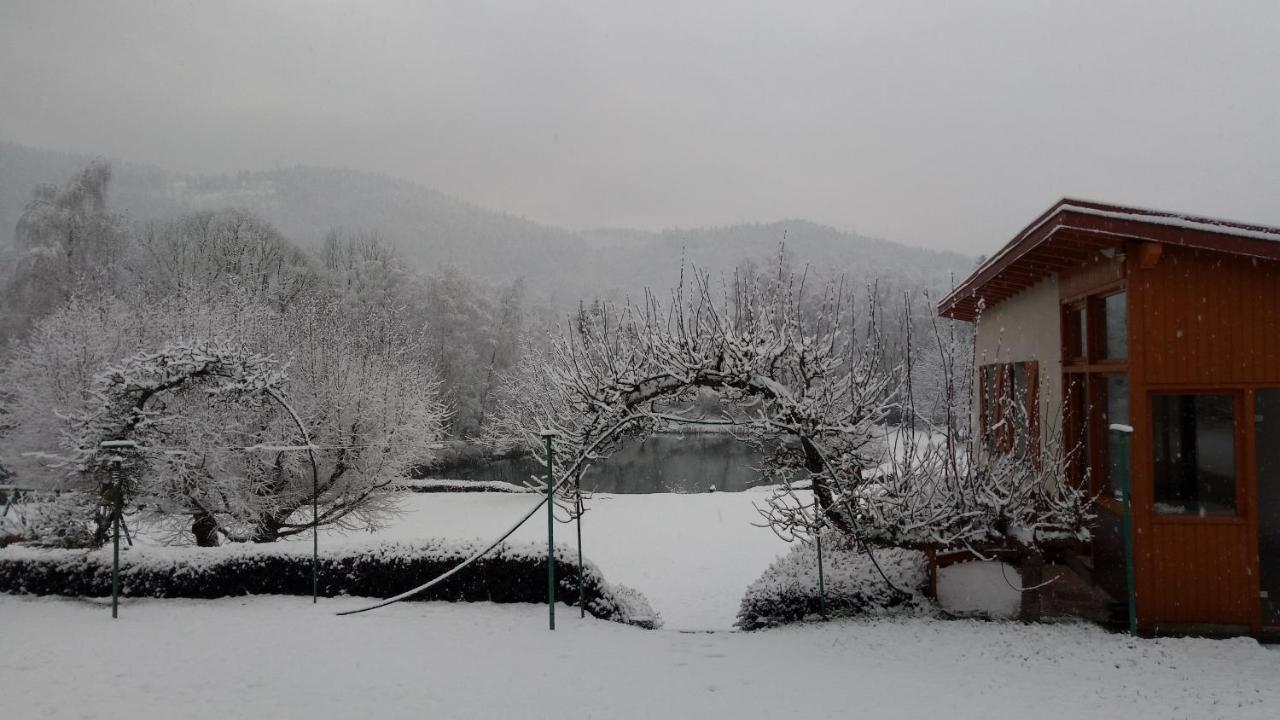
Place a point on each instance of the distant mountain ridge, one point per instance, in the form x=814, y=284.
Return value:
x=433, y=229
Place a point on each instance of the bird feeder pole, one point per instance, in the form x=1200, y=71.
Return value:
x=548, y=436
x=116, y=497
x=582, y=590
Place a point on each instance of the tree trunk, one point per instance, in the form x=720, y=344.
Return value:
x=205, y=528
x=821, y=492
x=267, y=531
x=1032, y=578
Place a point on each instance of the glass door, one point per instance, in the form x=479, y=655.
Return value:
x=1267, y=429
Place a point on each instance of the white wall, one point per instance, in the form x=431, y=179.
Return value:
x=1025, y=327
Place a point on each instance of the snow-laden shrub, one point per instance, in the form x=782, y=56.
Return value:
x=625, y=605
x=512, y=573
x=788, y=589
x=61, y=521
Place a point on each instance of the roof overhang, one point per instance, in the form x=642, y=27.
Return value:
x=1074, y=232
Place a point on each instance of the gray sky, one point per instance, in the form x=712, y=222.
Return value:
x=948, y=125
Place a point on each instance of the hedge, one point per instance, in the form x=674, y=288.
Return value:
x=788, y=589
x=511, y=573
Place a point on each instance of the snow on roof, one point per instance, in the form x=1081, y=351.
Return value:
x=1235, y=237
x=1188, y=222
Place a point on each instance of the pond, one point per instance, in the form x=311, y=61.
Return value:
x=660, y=463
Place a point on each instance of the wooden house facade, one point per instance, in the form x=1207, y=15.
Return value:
x=1150, y=343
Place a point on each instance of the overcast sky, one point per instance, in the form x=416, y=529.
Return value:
x=948, y=125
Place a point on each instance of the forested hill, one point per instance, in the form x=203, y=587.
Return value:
x=432, y=229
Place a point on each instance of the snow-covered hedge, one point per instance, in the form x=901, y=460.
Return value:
x=788, y=589
x=427, y=485
x=512, y=573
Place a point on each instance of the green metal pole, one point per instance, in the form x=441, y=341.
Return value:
x=822, y=586
x=315, y=539
x=582, y=590
x=115, y=550
x=1123, y=484
x=115, y=496
x=551, y=539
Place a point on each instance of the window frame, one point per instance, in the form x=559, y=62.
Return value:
x=1239, y=450
x=1094, y=370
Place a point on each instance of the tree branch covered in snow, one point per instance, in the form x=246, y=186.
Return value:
x=811, y=390
x=358, y=397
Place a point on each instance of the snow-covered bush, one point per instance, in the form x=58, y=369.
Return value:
x=623, y=604
x=63, y=521
x=513, y=573
x=788, y=589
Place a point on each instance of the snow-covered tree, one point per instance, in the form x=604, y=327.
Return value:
x=66, y=238
x=212, y=249
x=359, y=384
x=819, y=387
x=813, y=394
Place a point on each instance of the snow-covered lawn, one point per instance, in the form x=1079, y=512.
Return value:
x=692, y=556
x=281, y=657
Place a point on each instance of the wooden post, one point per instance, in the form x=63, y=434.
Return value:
x=1032, y=579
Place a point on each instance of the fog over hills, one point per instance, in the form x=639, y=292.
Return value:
x=432, y=229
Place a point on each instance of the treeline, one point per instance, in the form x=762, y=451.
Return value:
x=71, y=244
x=79, y=270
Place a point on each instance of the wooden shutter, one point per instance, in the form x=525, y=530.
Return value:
x=1004, y=391
x=984, y=422
x=1033, y=411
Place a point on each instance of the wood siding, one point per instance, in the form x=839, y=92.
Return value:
x=1207, y=319
x=1199, y=320
x=1203, y=573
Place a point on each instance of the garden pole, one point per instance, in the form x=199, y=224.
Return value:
x=551, y=537
x=125, y=526
x=822, y=587
x=116, y=497
x=582, y=590
x=115, y=545
x=315, y=535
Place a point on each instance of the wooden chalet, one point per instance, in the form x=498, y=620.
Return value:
x=1150, y=342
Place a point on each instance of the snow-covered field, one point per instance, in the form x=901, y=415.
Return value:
x=281, y=657
x=692, y=556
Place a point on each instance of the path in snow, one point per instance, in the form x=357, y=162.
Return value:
x=281, y=657
x=692, y=556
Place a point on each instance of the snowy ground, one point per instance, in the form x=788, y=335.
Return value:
x=281, y=657
x=692, y=556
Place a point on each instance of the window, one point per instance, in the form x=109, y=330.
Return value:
x=1076, y=428
x=1195, y=454
x=1074, y=327
x=1095, y=352
x=1009, y=406
x=1096, y=329
x=1115, y=422
x=1115, y=328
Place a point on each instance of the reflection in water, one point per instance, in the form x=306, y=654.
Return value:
x=660, y=463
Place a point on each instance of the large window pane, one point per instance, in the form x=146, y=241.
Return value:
x=1267, y=427
x=1073, y=333
x=1115, y=422
x=1116, y=326
x=1195, y=454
